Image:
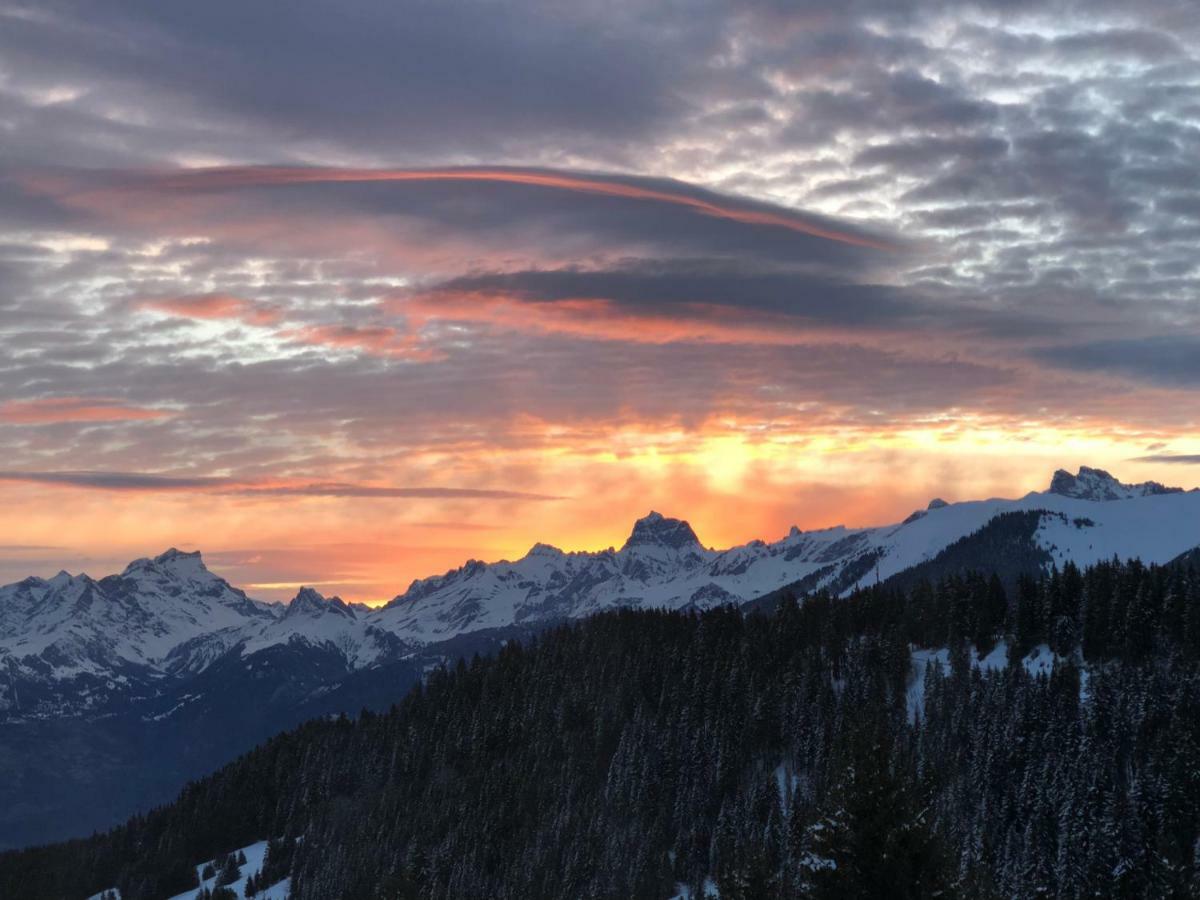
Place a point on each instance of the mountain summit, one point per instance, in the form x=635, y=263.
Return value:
x=656, y=529
x=309, y=602
x=1097, y=484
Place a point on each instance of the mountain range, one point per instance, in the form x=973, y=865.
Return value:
x=113, y=691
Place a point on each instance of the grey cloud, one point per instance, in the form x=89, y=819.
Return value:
x=1172, y=360
x=1137, y=43
x=338, y=489
x=884, y=103
x=932, y=152
x=113, y=481
x=1184, y=459
x=504, y=215
x=669, y=287
x=675, y=288
x=1042, y=185
x=140, y=481
x=446, y=78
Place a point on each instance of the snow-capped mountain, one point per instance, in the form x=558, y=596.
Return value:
x=138, y=616
x=72, y=643
x=168, y=654
x=353, y=631
x=1084, y=517
x=1096, y=484
x=170, y=617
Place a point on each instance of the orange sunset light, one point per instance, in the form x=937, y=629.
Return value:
x=734, y=481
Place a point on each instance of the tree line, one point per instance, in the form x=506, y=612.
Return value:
x=775, y=756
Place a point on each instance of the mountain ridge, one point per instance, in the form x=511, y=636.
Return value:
x=168, y=613
x=169, y=654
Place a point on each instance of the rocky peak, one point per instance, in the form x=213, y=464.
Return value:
x=656, y=530
x=62, y=579
x=309, y=602
x=1097, y=484
x=175, y=556
x=546, y=550
x=172, y=562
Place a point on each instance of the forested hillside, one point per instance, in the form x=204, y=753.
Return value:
x=638, y=753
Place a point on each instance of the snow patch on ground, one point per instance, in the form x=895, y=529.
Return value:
x=708, y=891
x=1041, y=660
x=786, y=783
x=997, y=659
x=255, y=854
x=921, y=661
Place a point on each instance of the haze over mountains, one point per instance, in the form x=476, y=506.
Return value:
x=168, y=653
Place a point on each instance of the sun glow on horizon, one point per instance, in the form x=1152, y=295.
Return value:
x=733, y=480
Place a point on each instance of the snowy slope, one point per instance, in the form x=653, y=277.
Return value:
x=1154, y=527
x=138, y=616
x=255, y=855
x=329, y=622
x=1087, y=518
x=72, y=643
x=662, y=564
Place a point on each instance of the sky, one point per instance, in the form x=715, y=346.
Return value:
x=345, y=294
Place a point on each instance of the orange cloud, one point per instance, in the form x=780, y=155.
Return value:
x=380, y=340
x=73, y=409
x=214, y=306
x=600, y=319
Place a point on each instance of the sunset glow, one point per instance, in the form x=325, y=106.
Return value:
x=770, y=270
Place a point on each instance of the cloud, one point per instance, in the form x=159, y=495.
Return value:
x=439, y=78
x=114, y=481
x=141, y=481
x=1161, y=359
x=74, y=409
x=214, y=306
x=703, y=300
x=456, y=259
x=336, y=489
x=501, y=209
x=626, y=188
x=377, y=339
x=1186, y=459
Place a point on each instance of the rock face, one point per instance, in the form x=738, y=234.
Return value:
x=656, y=530
x=1098, y=485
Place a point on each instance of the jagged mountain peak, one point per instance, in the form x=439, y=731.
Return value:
x=1097, y=484
x=173, y=562
x=547, y=550
x=168, y=614
x=175, y=555
x=308, y=601
x=658, y=530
